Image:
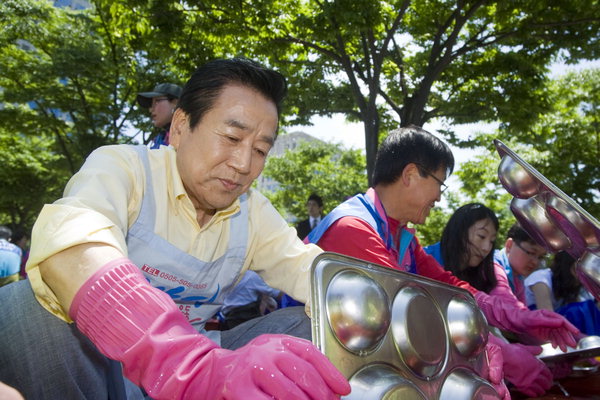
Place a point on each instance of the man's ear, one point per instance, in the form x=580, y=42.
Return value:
x=409, y=173
x=179, y=125
x=508, y=245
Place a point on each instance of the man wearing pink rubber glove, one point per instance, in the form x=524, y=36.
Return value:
x=410, y=168
x=143, y=248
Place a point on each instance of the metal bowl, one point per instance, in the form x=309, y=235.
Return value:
x=358, y=311
x=467, y=325
x=581, y=231
x=588, y=342
x=382, y=382
x=588, y=272
x=516, y=179
x=419, y=331
x=587, y=347
x=462, y=384
x=532, y=216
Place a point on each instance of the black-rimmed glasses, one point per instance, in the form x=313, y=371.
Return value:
x=531, y=254
x=443, y=186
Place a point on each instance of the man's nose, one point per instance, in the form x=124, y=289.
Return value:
x=241, y=159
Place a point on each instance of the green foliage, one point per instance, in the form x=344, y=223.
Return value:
x=27, y=178
x=412, y=61
x=562, y=144
x=326, y=169
x=431, y=231
x=69, y=78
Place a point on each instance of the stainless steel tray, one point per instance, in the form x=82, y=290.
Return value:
x=587, y=347
x=397, y=335
x=552, y=218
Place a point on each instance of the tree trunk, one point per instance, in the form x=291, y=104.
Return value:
x=371, y=123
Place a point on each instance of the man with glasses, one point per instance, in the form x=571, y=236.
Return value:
x=408, y=179
x=520, y=256
x=161, y=102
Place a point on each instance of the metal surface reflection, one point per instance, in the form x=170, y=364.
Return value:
x=467, y=325
x=588, y=271
x=419, y=331
x=516, y=179
x=388, y=331
x=381, y=381
x=551, y=217
x=532, y=216
x=462, y=384
x=358, y=311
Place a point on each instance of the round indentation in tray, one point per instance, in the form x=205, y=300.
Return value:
x=462, y=384
x=358, y=311
x=382, y=382
x=588, y=272
x=582, y=232
x=532, y=216
x=419, y=331
x=467, y=326
x=516, y=179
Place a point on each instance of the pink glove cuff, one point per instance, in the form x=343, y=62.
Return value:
x=88, y=285
x=117, y=305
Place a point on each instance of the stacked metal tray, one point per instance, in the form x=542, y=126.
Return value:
x=396, y=335
x=551, y=217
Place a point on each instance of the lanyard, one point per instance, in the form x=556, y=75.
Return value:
x=378, y=212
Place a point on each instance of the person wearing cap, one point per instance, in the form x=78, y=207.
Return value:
x=143, y=249
x=161, y=101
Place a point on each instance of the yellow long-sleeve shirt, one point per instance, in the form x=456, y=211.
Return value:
x=103, y=200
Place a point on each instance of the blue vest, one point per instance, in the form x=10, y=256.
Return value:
x=362, y=206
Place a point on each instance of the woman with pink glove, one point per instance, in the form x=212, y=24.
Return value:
x=466, y=249
x=142, y=250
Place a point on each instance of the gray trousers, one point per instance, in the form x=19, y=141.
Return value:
x=45, y=358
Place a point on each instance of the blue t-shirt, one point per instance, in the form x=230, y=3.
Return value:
x=10, y=258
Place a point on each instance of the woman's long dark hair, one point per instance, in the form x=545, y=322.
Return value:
x=455, y=247
x=565, y=285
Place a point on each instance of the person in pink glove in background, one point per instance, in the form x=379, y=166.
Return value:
x=143, y=248
x=466, y=249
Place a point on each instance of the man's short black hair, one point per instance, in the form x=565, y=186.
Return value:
x=316, y=198
x=206, y=84
x=519, y=235
x=407, y=145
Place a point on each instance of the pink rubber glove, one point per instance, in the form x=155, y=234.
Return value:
x=560, y=370
x=140, y=326
x=494, y=373
x=529, y=375
x=544, y=325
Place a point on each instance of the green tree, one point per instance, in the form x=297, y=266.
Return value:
x=327, y=169
x=69, y=80
x=386, y=63
x=409, y=61
x=27, y=178
x=562, y=144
